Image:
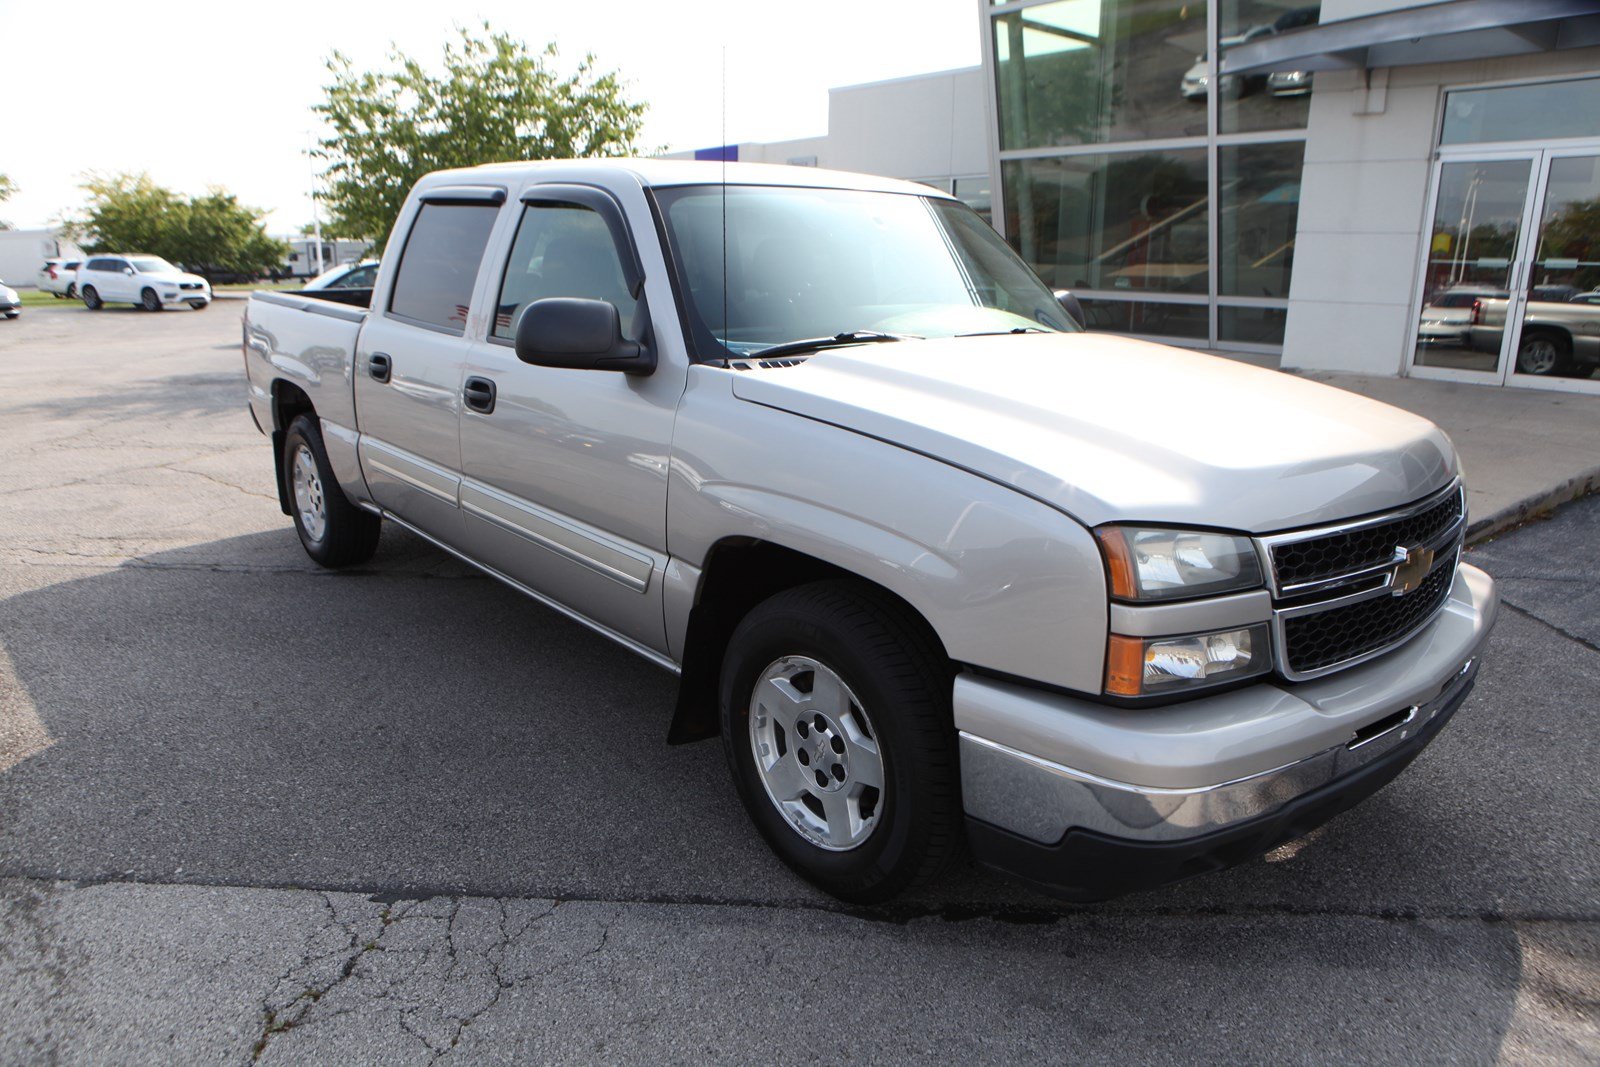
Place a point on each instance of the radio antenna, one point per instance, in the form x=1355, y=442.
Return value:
x=724, y=155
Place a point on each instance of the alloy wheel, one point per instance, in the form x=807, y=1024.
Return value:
x=309, y=502
x=816, y=753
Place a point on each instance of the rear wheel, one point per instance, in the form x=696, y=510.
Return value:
x=149, y=300
x=333, y=531
x=836, y=722
x=72, y=290
x=91, y=298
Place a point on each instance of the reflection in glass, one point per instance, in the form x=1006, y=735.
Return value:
x=1130, y=221
x=1523, y=112
x=1278, y=101
x=1260, y=194
x=1477, y=218
x=1561, y=323
x=975, y=193
x=1156, y=319
x=1087, y=71
x=1256, y=326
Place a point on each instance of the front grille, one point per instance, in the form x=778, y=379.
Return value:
x=188, y=285
x=1331, y=555
x=1322, y=639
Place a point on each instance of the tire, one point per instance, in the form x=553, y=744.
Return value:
x=866, y=844
x=1543, y=353
x=149, y=300
x=72, y=290
x=13, y=314
x=91, y=298
x=199, y=305
x=333, y=531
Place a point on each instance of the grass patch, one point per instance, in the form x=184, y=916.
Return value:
x=250, y=287
x=38, y=298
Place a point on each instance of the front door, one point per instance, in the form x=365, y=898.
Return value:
x=1510, y=290
x=565, y=471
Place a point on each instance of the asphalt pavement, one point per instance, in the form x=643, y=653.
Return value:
x=251, y=810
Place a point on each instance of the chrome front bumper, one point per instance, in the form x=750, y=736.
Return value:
x=1038, y=765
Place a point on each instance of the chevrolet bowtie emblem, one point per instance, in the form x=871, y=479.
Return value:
x=1411, y=566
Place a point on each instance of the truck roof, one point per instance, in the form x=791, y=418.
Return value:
x=667, y=172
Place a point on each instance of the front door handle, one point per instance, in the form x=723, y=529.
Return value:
x=479, y=395
x=379, y=365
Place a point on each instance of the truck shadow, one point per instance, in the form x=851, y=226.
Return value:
x=227, y=714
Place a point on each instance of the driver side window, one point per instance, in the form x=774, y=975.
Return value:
x=562, y=249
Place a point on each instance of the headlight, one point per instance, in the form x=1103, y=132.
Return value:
x=1155, y=666
x=1153, y=564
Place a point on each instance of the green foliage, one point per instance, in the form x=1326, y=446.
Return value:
x=495, y=101
x=8, y=187
x=210, y=234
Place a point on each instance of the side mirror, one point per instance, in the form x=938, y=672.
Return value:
x=1070, y=305
x=128, y=271
x=562, y=331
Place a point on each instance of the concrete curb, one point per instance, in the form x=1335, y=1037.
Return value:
x=1530, y=507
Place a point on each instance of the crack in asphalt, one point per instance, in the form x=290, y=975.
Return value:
x=1541, y=620
x=894, y=914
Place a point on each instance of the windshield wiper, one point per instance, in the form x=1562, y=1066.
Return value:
x=1002, y=333
x=838, y=340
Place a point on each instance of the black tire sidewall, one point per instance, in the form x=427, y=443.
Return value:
x=882, y=865
x=91, y=298
x=148, y=300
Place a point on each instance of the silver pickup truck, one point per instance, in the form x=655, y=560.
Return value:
x=943, y=571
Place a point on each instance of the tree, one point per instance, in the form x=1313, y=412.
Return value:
x=495, y=101
x=211, y=234
x=8, y=188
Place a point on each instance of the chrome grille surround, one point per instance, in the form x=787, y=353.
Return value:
x=1366, y=580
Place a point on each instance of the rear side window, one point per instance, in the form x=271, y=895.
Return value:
x=440, y=263
x=562, y=250
x=102, y=264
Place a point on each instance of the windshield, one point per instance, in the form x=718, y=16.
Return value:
x=152, y=265
x=814, y=263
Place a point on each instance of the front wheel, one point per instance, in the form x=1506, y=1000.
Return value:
x=1542, y=354
x=149, y=300
x=836, y=722
x=91, y=298
x=333, y=531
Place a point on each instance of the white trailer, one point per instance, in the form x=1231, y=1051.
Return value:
x=23, y=252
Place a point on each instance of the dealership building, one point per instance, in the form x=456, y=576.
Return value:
x=1367, y=186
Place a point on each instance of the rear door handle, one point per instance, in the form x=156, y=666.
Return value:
x=379, y=365
x=479, y=395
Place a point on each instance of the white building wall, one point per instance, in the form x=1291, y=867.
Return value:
x=1364, y=198
x=926, y=126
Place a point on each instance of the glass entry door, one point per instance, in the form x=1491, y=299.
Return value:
x=1559, y=336
x=1469, y=278
x=1510, y=287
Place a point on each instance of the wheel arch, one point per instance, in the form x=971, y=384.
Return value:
x=740, y=572
x=289, y=401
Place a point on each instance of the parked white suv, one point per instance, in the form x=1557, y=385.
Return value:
x=60, y=276
x=149, y=282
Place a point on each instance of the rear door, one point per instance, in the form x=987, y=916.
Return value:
x=409, y=359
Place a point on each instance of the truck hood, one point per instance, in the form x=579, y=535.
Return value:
x=1112, y=429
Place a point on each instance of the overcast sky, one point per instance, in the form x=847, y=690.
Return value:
x=221, y=93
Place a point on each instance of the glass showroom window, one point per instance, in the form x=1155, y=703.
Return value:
x=1248, y=102
x=1088, y=71
x=1132, y=221
x=1260, y=197
x=1184, y=322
